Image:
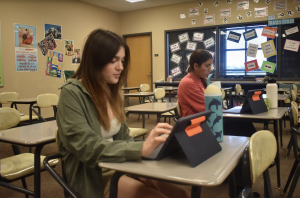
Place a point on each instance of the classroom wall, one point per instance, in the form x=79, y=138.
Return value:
x=159, y=19
x=77, y=20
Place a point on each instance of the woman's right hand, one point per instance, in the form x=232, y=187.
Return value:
x=154, y=139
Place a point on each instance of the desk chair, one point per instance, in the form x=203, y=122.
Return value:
x=6, y=96
x=295, y=172
x=294, y=122
x=238, y=96
x=20, y=165
x=137, y=132
x=159, y=94
x=223, y=97
x=175, y=115
x=256, y=160
x=144, y=88
x=68, y=74
x=44, y=101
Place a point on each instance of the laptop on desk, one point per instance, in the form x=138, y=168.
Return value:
x=254, y=104
x=197, y=148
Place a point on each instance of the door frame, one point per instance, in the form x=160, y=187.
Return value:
x=140, y=34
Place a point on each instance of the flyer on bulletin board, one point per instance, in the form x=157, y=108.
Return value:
x=54, y=64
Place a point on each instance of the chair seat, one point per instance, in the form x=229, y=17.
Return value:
x=26, y=118
x=20, y=165
x=147, y=101
x=168, y=114
x=136, y=132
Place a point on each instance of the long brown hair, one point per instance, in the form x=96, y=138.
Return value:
x=199, y=56
x=100, y=48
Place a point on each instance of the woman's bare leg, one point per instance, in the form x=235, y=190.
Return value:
x=147, y=188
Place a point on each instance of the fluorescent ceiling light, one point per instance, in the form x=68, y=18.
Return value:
x=133, y=1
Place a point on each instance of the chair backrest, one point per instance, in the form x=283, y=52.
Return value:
x=294, y=95
x=295, y=88
x=238, y=88
x=262, y=150
x=6, y=96
x=144, y=87
x=67, y=74
x=47, y=100
x=8, y=118
x=295, y=113
x=159, y=93
x=223, y=94
x=178, y=109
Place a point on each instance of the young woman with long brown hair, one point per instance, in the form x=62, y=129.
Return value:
x=91, y=124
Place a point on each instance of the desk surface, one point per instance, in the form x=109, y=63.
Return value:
x=24, y=100
x=30, y=135
x=152, y=107
x=169, y=88
x=212, y=172
x=271, y=114
x=129, y=88
x=280, y=96
x=139, y=94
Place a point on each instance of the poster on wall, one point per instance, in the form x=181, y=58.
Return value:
x=268, y=67
x=183, y=37
x=193, y=12
x=209, y=42
x=69, y=47
x=46, y=44
x=76, y=57
x=176, y=71
x=55, y=30
x=191, y=46
x=252, y=50
x=261, y=12
x=209, y=19
x=175, y=47
x=291, y=45
x=242, y=5
x=269, y=32
x=280, y=5
x=291, y=30
x=54, y=64
x=269, y=49
x=176, y=58
x=1, y=76
x=234, y=36
x=25, y=48
x=250, y=34
x=251, y=65
x=198, y=36
x=225, y=12
x=296, y=1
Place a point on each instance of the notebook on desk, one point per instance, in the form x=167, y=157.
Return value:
x=253, y=103
x=197, y=147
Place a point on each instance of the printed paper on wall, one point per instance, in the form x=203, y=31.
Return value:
x=269, y=49
x=280, y=5
x=193, y=12
x=191, y=46
x=261, y=12
x=198, y=36
x=252, y=50
x=233, y=36
x=183, y=37
x=176, y=71
x=242, y=5
x=269, y=32
x=268, y=67
x=291, y=45
x=209, y=19
x=250, y=34
x=209, y=42
x=175, y=47
x=251, y=65
x=176, y=58
x=225, y=12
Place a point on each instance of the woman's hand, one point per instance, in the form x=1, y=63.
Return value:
x=154, y=139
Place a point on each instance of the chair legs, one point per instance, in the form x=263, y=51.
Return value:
x=290, y=177
x=267, y=184
x=294, y=183
x=289, y=148
x=24, y=186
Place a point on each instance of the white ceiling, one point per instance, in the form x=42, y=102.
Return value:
x=124, y=6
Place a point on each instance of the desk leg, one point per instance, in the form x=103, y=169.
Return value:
x=143, y=120
x=158, y=118
x=196, y=192
x=280, y=132
x=277, y=160
x=113, y=192
x=232, y=185
x=12, y=105
x=169, y=96
x=37, y=171
x=30, y=113
x=230, y=99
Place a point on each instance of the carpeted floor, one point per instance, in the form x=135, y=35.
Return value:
x=50, y=188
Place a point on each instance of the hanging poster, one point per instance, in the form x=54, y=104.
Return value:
x=175, y=58
x=25, y=48
x=76, y=57
x=233, y=36
x=69, y=47
x=291, y=45
x=268, y=67
x=54, y=64
x=176, y=71
x=291, y=13
x=198, y=36
x=205, y=11
x=46, y=44
x=183, y=37
x=261, y=12
x=193, y=21
x=225, y=12
x=175, y=47
x=269, y=49
x=248, y=14
x=269, y=32
x=251, y=65
x=281, y=14
x=193, y=12
x=252, y=50
x=191, y=46
x=209, y=42
x=280, y=5
x=55, y=30
x=182, y=16
x=1, y=75
x=216, y=3
x=209, y=19
x=250, y=34
x=242, y=5
x=291, y=30
x=229, y=1
x=26, y=59
x=225, y=20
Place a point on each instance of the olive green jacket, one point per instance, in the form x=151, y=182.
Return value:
x=81, y=144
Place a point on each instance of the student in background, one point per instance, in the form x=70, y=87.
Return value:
x=92, y=129
x=191, y=88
